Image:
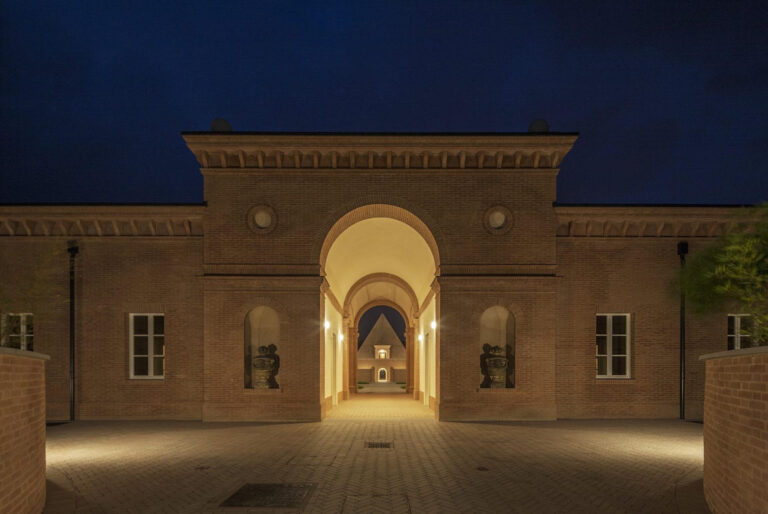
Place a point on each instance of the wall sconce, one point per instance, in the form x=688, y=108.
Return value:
x=341, y=337
x=327, y=324
x=421, y=337
x=433, y=324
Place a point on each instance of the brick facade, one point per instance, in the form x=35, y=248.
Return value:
x=206, y=266
x=22, y=431
x=736, y=431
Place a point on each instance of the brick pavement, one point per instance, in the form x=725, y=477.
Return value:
x=537, y=467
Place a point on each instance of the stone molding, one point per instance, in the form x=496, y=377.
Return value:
x=14, y=352
x=743, y=352
x=633, y=222
x=102, y=221
x=261, y=151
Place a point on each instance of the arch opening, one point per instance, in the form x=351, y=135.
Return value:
x=381, y=344
x=380, y=255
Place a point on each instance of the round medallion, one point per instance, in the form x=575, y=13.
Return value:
x=262, y=219
x=497, y=219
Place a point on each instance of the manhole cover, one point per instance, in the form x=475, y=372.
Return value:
x=276, y=496
x=378, y=444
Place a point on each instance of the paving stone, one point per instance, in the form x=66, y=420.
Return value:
x=527, y=467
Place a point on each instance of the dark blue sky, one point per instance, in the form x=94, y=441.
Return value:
x=670, y=98
x=371, y=316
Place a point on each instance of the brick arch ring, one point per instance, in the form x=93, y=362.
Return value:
x=409, y=315
x=378, y=210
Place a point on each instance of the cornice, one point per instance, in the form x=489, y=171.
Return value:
x=221, y=152
x=647, y=221
x=101, y=221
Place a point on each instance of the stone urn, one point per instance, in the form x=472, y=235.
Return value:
x=263, y=366
x=497, y=368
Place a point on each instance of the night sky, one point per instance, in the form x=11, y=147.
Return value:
x=369, y=318
x=670, y=98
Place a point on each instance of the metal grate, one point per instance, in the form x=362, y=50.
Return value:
x=378, y=444
x=275, y=496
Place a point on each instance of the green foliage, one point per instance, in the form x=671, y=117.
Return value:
x=733, y=273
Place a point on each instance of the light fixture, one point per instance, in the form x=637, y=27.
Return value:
x=327, y=324
x=341, y=337
x=421, y=337
x=433, y=324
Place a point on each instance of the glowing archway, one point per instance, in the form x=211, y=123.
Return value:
x=379, y=255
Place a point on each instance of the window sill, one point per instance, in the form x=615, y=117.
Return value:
x=612, y=379
x=146, y=378
x=495, y=390
x=249, y=390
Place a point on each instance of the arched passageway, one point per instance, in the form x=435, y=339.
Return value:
x=379, y=255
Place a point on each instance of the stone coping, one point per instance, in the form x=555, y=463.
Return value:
x=735, y=353
x=23, y=353
x=249, y=390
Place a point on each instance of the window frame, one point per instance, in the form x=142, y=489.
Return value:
x=150, y=346
x=737, y=335
x=609, y=346
x=23, y=335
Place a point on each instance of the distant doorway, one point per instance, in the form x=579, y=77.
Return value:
x=382, y=357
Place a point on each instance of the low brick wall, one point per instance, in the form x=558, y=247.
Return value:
x=736, y=431
x=22, y=431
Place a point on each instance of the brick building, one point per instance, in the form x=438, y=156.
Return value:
x=382, y=356
x=300, y=234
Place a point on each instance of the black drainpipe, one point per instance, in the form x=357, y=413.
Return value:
x=682, y=251
x=72, y=249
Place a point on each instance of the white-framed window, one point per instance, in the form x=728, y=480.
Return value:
x=612, y=345
x=17, y=330
x=147, y=345
x=739, y=331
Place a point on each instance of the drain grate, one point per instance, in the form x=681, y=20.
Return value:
x=378, y=444
x=275, y=496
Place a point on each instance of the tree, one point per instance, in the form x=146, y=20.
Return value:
x=733, y=272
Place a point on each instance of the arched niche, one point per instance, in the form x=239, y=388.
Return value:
x=497, y=328
x=383, y=375
x=262, y=328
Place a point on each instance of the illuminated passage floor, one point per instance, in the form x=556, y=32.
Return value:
x=562, y=466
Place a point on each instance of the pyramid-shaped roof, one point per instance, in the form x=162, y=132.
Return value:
x=382, y=333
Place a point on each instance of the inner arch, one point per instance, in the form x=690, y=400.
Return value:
x=380, y=245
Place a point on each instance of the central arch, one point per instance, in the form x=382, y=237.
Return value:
x=373, y=255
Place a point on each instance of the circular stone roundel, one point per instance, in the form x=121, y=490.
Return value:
x=497, y=219
x=262, y=219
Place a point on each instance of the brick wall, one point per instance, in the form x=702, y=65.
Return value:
x=531, y=300
x=22, y=431
x=736, y=431
x=553, y=270
x=297, y=301
x=38, y=269
x=634, y=276
x=119, y=277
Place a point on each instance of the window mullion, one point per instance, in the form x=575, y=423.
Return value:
x=150, y=345
x=609, y=346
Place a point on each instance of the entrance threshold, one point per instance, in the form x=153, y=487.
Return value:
x=394, y=407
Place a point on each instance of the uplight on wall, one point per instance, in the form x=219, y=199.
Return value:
x=341, y=337
x=421, y=338
x=327, y=324
x=433, y=324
